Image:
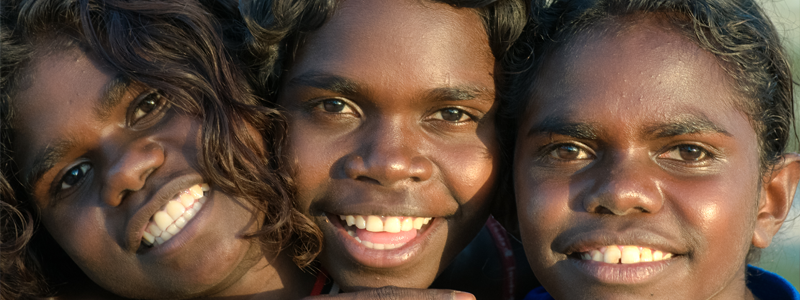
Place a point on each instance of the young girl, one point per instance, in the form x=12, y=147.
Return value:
x=135, y=156
x=392, y=110
x=650, y=156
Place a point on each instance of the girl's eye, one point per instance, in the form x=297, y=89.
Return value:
x=690, y=153
x=336, y=106
x=454, y=115
x=148, y=103
x=570, y=152
x=74, y=175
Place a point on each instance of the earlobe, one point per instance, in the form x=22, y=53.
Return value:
x=777, y=193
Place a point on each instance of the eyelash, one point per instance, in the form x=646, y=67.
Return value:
x=672, y=152
x=140, y=115
x=342, y=106
x=551, y=152
x=81, y=170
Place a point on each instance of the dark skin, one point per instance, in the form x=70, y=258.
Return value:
x=391, y=107
x=646, y=147
x=122, y=153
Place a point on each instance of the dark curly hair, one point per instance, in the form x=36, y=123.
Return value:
x=175, y=47
x=737, y=32
x=277, y=28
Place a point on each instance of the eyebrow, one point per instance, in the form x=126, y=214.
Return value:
x=112, y=95
x=561, y=126
x=350, y=87
x=685, y=124
x=47, y=157
x=333, y=83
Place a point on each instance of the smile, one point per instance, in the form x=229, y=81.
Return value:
x=383, y=233
x=625, y=254
x=174, y=216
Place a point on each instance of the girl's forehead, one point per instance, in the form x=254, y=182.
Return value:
x=646, y=73
x=396, y=35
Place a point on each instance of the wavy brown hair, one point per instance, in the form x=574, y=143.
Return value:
x=176, y=47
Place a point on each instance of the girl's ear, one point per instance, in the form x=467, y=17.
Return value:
x=777, y=193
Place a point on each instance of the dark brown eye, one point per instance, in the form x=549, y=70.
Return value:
x=333, y=105
x=691, y=153
x=74, y=175
x=451, y=114
x=147, y=104
x=687, y=153
x=570, y=152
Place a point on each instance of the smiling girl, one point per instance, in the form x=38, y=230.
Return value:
x=392, y=108
x=650, y=161
x=137, y=160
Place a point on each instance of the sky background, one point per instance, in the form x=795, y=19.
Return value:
x=783, y=256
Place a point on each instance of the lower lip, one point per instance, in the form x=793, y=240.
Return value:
x=622, y=273
x=187, y=233
x=384, y=258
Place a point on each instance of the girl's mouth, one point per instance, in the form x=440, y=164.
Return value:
x=623, y=254
x=383, y=233
x=174, y=216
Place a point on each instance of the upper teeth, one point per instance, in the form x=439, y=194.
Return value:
x=385, y=224
x=625, y=254
x=173, y=217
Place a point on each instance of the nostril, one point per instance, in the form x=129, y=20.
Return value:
x=603, y=211
x=367, y=179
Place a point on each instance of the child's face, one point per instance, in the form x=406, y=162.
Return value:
x=103, y=159
x=391, y=108
x=634, y=139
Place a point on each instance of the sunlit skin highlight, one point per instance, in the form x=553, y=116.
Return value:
x=122, y=154
x=634, y=137
x=392, y=108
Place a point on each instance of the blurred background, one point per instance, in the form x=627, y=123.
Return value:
x=783, y=256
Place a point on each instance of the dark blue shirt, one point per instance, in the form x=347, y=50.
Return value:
x=764, y=284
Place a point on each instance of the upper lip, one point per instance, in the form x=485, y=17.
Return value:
x=576, y=240
x=155, y=199
x=365, y=201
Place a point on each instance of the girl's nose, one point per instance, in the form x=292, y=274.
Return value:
x=389, y=155
x=131, y=169
x=625, y=188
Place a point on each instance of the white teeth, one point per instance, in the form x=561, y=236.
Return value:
x=374, y=224
x=647, y=255
x=625, y=254
x=186, y=200
x=154, y=230
x=630, y=255
x=180, y=222
x=360, y=222
x=385, y=224
x=189, y=214
x=175, y=209
x=174, y=215
x=612, y=255
x=418, y=222
x=408, y=224
x=149, y=238
x=392, y=225
x=196, y=191
x=172, y=229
